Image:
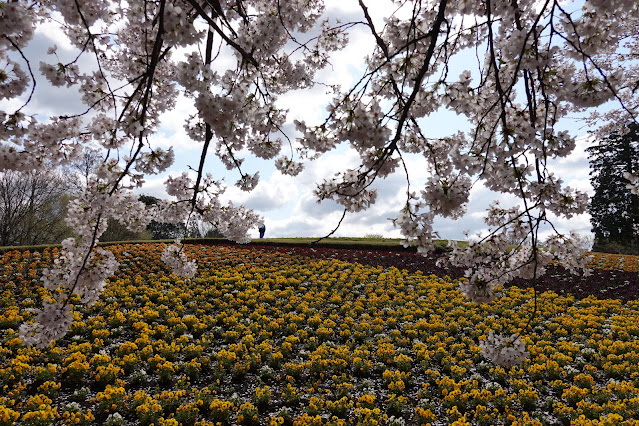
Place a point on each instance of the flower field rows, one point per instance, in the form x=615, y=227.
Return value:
x=262, y=337
x=609, y=261
x=613, y=276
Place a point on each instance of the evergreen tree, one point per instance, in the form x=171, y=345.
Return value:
x=161, y=230
x=614, y=209
x=167, y=231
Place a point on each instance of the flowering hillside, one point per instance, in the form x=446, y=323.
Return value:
x=263, y=337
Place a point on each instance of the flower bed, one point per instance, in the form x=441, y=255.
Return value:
x=261, y=337
x=613, y=276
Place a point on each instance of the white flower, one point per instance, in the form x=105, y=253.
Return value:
x=173, y=255
x=478, y=291
x=52, y=322
x=288, y=167
x=248, y=182
x=504, y=350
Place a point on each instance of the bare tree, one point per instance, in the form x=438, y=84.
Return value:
x=33, y=207
x=79, y=172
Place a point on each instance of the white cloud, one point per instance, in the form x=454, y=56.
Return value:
x=154, y=186
x=53, y=32
x=272, y=193
x=574, y=169
x=173, y=121
x=345, y=66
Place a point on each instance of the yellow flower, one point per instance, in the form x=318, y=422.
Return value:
x=7, y=415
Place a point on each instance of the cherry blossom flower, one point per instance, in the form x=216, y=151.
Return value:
x=504, y=350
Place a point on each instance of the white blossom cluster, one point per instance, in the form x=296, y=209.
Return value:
x=16, y=20
x=563, y=248
x=175, y=258
x=234, y=222
x=51, y=323
x=504, y=350
x=14, y=80
x=155, y=161
x=248, y=182
x=633, y=186
x=416, y=226
x=478, y=291
x=349, y=189
x=288, y=166
x=536, y=65
x=60, y=74
x=493, y=261
x=447, y=197
x=80, y=273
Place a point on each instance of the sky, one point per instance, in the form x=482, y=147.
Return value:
x=286, y=203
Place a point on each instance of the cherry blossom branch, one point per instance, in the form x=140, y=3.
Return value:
x=202, y=13
x=208, y=134
x=333, y=231
x=19, y=50
x=91, y=39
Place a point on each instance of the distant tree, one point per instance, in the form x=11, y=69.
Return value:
x=194, y=229
x=33, y=207
x=203, y=229
x=166, y=231
x=213, y=232
x=376, y=236
x=149, y=200
x=614, y=209
x=118, y=232
x=162, y=230
x=82, y=169
x=80, y=172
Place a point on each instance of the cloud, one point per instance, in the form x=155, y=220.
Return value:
x=578, y=223
x=574, y=169
x=309, y=105
x=263, y=199
x=172, y=132
x=297, y=225
x=54, y=35
x=154, y=186
x=265, y=202
x=310, y=207
x=290, y=208
x=274, y=192
x=291, y=228
x=393, y=187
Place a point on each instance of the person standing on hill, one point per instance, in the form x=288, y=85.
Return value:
x=262, y=229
